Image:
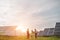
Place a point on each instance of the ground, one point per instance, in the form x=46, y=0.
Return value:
x=24, y=38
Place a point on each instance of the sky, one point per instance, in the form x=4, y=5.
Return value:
x=37, y=14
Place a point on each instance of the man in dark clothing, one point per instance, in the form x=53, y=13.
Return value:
x=35, y=33
x=28, y=35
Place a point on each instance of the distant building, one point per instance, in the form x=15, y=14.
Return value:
x=40, y=33
x=48, y=32
x=57, y=29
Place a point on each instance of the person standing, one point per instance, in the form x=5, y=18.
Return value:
x=35, y=33
x=28, y=35
x=32, y=33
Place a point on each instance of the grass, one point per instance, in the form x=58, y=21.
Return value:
x=24, y=38
x=48, y=38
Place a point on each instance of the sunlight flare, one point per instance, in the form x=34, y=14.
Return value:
x=21, y=28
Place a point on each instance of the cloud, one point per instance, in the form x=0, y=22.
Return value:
x=29, y=12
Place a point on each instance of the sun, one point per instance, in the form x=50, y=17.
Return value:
x=21, y=28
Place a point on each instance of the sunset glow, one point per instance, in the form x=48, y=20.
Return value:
x=21, y=28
